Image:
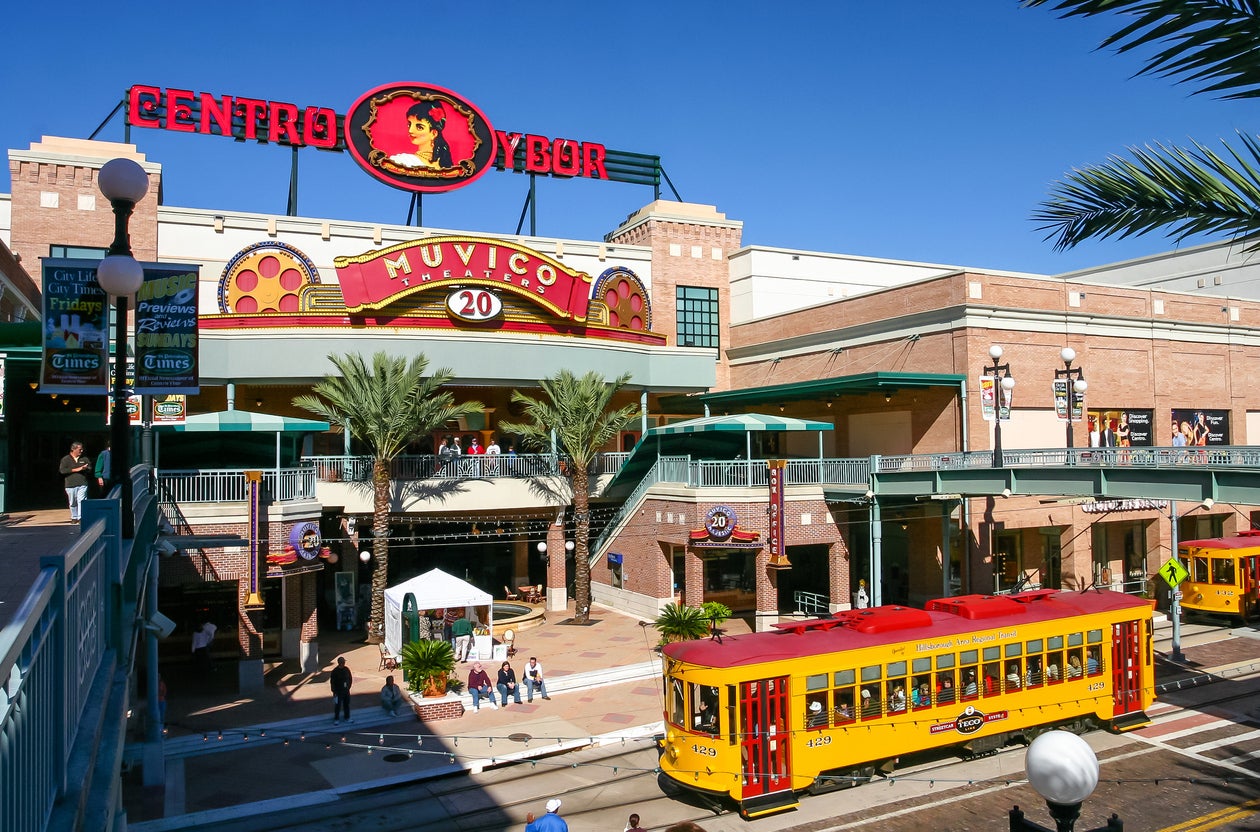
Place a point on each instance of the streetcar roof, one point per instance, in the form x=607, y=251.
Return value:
x=857, y=629
x=1249, y=539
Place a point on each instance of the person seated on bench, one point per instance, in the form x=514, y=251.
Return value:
x=534, y=680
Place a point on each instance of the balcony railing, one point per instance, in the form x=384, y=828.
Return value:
x=228, y=485
x=468, y=466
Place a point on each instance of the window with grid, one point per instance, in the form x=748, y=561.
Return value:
x=697, y=309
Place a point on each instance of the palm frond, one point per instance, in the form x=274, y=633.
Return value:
x=1188, y=191
x=1210, y=44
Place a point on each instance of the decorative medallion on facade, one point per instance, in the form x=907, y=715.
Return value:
x=619, y=301
x=722, y=530
x=265, y=277
x=419, y=138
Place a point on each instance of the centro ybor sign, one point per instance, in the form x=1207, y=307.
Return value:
x=412, y=136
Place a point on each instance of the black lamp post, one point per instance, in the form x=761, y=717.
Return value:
x=1003, y=384
x=124, y=183
x=1076, y=386
x=1064, y=770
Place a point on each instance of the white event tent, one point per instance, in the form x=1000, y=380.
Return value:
x=434, y=589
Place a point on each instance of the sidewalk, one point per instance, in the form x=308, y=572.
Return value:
x=280, y=746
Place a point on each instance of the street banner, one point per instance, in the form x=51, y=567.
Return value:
x=1062, y=392
x=75, y=328
x=988, y=401
x=166, y=331
x=169, y=409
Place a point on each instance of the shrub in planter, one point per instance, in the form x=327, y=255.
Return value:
x=427, y=666
x=678, y=622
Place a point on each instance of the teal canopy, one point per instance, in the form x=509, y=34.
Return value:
x=739, y=422
x=247, y=421
x=712, y=437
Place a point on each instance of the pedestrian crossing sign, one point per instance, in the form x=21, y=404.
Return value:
x=1174, y=573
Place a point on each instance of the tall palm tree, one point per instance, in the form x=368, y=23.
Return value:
x=578, y=410
x=1214, y=45
x=387, y=405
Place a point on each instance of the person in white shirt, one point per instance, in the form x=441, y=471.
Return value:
x=534, y=679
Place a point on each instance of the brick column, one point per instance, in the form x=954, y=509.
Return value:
x=557, y=583
x=693, y=581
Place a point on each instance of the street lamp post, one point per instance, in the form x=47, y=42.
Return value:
x=1004, y=383
x=124, y=183
x=1063, y=769
x=1076, y=386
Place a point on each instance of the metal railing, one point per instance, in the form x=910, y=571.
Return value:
x=810, y=603
x=66, y=657
x=1225, y=456
x=228, y=485
x=468, y=466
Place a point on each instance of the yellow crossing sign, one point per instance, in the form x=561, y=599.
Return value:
x=1173, y=572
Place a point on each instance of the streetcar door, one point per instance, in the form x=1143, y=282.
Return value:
x=765, y=743
x=1126, y=666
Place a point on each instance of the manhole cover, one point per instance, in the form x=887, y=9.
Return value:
x=397, y=758
x=519, y=737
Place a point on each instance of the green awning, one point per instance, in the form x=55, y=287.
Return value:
x=832, y=388
x=246, y=421
x=739, y=422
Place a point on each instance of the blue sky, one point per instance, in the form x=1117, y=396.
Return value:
x=920, y=130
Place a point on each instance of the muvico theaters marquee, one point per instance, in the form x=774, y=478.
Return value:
x=415, y=137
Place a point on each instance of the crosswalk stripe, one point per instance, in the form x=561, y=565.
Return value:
x=1197, y=749
x=1212, y=820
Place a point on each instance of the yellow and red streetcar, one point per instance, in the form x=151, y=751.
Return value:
x=824, y=703
x=1224, y=575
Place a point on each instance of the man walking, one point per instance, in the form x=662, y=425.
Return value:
x=462, y=630
x=75, y=467
x=341, y=681
x=103, y=477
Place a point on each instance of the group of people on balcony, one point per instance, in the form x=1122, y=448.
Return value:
x=452, y=452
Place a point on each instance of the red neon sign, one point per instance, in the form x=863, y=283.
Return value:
x=379, y=134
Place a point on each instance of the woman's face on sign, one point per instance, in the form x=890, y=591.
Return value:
x=421, y=132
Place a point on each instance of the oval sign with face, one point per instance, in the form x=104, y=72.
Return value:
x=474, y=304
x=419, y=138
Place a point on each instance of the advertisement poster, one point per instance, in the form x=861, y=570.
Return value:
x=166, y=331
x=75, y=328
x=1200, y=427
x=1120, y=428
x=169, y=409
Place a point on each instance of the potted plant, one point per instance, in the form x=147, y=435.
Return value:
x=427, y=666
x=678, y=622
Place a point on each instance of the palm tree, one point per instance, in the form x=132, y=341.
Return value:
x=577, y=410
x=386, y=406
x=1215, y=46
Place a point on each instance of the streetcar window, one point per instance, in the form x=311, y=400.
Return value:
x=1054, y=663
x=1033, y=646
x=844, y=705
x=1199, y=570
x=896, y=669
x=677, y=703
x=816, y=711
x=1033, y=677
x=816, y=682
x=872, y=673
x=844, y=677
x=1074, y=666
x=870, y=701
x=704, y=699
x=1055, y=642
x=970, y=685
x=1014, y=678
x=921, y=693
x=992, y=654
x=945, y=687
x=1094, y=636
x=896, y=695
x=923, y=665
x=969, y=657
x=945, y=660
x=1093, y=661
x=1075, y=640
x=992, y=673
x=1014, y=650
x=1222, y=571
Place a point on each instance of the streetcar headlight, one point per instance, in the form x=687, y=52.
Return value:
x=673, y=752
